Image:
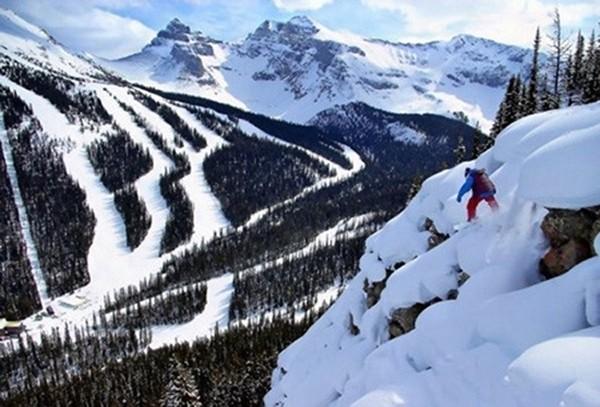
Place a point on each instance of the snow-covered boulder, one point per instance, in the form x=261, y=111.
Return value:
x=503, y=337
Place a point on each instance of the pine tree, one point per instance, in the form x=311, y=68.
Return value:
x=461, y=150
x=546, y=98
x=531, y=103
x=578, y=71
x=415, y=186
x=481, y=141
x=591, y=72
x=180, y=390
x=559, y=47
x=510, y=108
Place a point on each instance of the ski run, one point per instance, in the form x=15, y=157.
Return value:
x=111, y=263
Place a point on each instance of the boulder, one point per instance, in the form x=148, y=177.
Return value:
x=559, y=260
x=403, y=320
x=562, y=225
x=571, y=235
x=375, y=289
x=436, y=237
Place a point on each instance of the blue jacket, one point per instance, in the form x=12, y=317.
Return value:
x=470, y=185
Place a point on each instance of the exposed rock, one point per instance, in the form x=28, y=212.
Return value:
x=571, y=234
x=452, y=294
x=375, y=289
x=559, y=260
x=354, y=330
x=595, y=232
x=403, y=320
x=436, y=237
x=560, y=225
x=462, y=278
x=374, y=292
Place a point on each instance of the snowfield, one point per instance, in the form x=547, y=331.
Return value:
x=509, y=338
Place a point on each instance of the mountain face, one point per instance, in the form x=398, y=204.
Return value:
x=297, y=68
x=176, y=53
x=500, y=312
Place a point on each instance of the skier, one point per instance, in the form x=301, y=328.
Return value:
x=483, y=189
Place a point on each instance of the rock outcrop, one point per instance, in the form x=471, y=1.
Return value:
x=571, y=235
x=403, y=320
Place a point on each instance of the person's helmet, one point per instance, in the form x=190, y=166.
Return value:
x=467, y=170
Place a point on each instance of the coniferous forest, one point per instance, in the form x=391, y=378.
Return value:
x=135, y=215
x=233, y=368
x=570, y=76
x=118, y=160
x=62, y=224
x=18, y=293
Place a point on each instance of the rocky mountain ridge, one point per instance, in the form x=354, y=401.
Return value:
x=298, y=68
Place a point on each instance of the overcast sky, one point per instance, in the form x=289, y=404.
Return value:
x=115, y=28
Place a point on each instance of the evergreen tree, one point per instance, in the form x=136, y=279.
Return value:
x=546, y=98
x=559, y=47
x=180, y=390
x=577, y=77
x=591, y=72
x=510, y=108
x=531, y=103
x=460, y=151
x=415, y=186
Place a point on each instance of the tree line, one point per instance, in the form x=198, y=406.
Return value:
x=118, y=160
x=295, y=283
x=63, y=354
x=570, y=77
x=172, y=118
x=232, y=368
x=18, y=292
x=171, y=307
x=62, y=224
x=305, y=136
x=77, y=105
x=135, y=215
x=250, y=173
x=180, y=222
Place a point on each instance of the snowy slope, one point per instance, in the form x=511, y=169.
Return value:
x=509, y=338
x=32, y=46
x=298, y=68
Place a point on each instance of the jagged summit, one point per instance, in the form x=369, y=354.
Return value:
x=175, y=30
x=294, y=27
x=307, y=67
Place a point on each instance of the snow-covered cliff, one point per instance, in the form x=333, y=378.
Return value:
x=489, y=329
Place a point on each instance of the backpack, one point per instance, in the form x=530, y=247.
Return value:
x=483, y=185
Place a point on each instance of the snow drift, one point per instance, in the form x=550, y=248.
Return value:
x=508, y=338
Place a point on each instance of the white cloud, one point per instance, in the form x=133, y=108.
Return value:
x=297, y=5
x=510, y=21
x=86, y=25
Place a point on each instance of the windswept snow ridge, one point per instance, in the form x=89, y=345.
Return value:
x=508, y=339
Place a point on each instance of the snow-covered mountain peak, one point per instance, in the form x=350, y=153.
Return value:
x=12, y=24
x=295, y=29
x=175, y=27
x=295, y=69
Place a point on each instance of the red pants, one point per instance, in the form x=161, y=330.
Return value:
x=474, y=201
